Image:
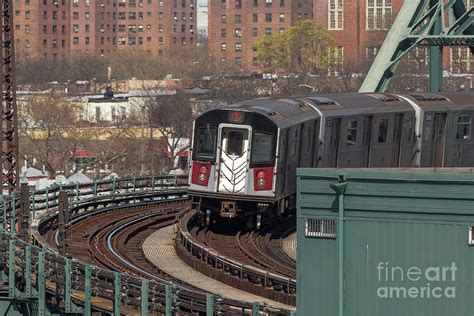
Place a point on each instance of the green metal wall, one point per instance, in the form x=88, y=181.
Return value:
x=407, y=219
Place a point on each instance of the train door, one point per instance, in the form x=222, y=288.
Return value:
x=438, y=140
x=397, y=140
x=307, y=141
x=334, y=144
x=367, y=141
x=316, y=144
x=350, y=143
x=407, y=141
x=293, y=143
x=234, y=153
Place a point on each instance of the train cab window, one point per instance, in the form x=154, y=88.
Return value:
x=351, y=133
x=262, y=148
x=383, y=131
x=235, y=141
x=463, y=127
x=206, y=141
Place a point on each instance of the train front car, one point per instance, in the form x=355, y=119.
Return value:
x=233, y=164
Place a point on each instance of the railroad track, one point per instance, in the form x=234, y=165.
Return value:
x=111, y=238
x=244, y=259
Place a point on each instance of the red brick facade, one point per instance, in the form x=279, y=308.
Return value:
x=234, y=25
x=55, y=28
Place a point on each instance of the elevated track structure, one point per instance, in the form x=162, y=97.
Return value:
x=435, y=23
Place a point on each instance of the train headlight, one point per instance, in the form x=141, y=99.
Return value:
x=261, y=178
x=202, y=177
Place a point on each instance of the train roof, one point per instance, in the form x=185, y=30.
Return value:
x=288, y=111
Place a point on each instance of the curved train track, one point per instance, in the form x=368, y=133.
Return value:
x=111, y=238
x=248, y=260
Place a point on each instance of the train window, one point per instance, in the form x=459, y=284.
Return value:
x=463, y=127
x=235, y=143
x=351, y=133
x=261, y=148
x=383, y=130
x=206, y=141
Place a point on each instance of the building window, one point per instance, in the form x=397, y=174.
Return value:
x=336, y=60
x=268, y=17
x=238, y=60
x=351, y=133
x=268, y=31
x=255, y=17
x=336, y=14
x=378, y=14
x=254, y=32
x=238, y=18
x=463, y=127
x=321, y=228
x=255, y=3
x=75, y=41
x=238, y=47
x=371, y=52
x=238, y=32
x=462, y=61
x=282, y=17
x=223, y=46
x=223, y=19
x=268, y=3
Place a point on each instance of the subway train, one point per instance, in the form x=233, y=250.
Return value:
x=244, y=156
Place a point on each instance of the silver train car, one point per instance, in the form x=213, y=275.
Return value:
x=244, y=156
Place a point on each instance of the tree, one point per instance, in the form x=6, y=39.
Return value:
x=302, y=49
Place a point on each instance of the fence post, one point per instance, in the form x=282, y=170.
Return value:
x=95, y=187
x=41, y=284
x=113, y=187
x=144, y=297
x=134, y=181
x=28, y=270
x=4, y=212
x=153, y=183
x=87, y=291
x=117, y=294
x=67, y=286
x=24, y=220
x=168, y=301
x=13, y=213
x=47, y=198
x=77, y=192
x=11, y=268
x=33, y=204
x=209, y=304
x=255, y=309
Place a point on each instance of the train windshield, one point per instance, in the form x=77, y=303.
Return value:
x=262, y=148
x=206, y=141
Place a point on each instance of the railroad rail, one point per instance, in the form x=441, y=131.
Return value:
x=37, y=272
x=207, y=260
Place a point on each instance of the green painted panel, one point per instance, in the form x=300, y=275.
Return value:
x=406, y=221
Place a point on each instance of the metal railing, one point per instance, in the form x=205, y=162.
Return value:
x=230, y=266
x=38, y=274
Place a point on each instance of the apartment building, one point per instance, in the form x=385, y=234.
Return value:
x=53, y=28
x=234, y=26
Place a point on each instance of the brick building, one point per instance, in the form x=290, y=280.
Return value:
x=55, y=28
x=235, y=25
x=359, y=28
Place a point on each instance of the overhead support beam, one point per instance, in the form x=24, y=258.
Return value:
x=422, y=22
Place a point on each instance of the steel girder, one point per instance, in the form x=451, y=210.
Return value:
x=8, y=107
x=436, y=23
